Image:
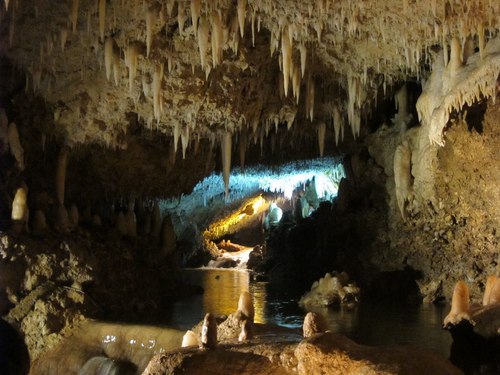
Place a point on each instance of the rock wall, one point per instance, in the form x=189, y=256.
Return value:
x=364, y=233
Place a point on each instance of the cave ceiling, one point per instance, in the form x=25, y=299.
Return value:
x=191, y=70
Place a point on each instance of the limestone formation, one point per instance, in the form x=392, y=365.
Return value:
x=313, y=324
x=208, y=338
x=402, y=177
x=190, y=339
x=245, y=305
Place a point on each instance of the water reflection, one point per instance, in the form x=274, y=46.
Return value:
x=367, y=323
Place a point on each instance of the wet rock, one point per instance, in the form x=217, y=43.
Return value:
x=332, y=353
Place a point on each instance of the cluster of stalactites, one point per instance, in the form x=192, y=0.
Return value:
x=454, y=84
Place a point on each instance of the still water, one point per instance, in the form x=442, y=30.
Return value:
x=366, y=324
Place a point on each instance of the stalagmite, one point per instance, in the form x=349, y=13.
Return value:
x=19, y=214
x=155, y=221
x=226, y=145
x=459, y=305
x=60, y=177
x=246, y=331
x=242, y=10
x=184, y=140
x=321, y=138
x=16, y=150
x=490, y=282
x=209, y=332
x=102, y=18
x=157, y=91
x=303, y=56
x=195, y=13
x=245, y=305
x=190, y=339
x=74, y=14
x=203, y=34
x=286, y=51
x=495, y=293
x=402, y=176
x=151, y=17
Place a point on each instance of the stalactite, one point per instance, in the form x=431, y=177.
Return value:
x=468, y=49
x=131, y=62
x=60, y=180
x=157, y=91
x=310, y=98
x=203, y=34
x=184, y=140
x=455, y=57
x=102, y=18
x=181, y=16
x=303, y=56
x=226, y=145
x=216, y=38
x=337, y=123
x=253, y=28
x=108, y=56
x=151, y=17
x=402, y=177
x=286, y=51
x=176, y=136
x=74, y=14
x=242, y=10
x=321, y=138
x=195, y=13
x=296, y=83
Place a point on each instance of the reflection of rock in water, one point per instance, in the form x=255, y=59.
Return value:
x=14, y=357
x=132, y=346
x=107, y=366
